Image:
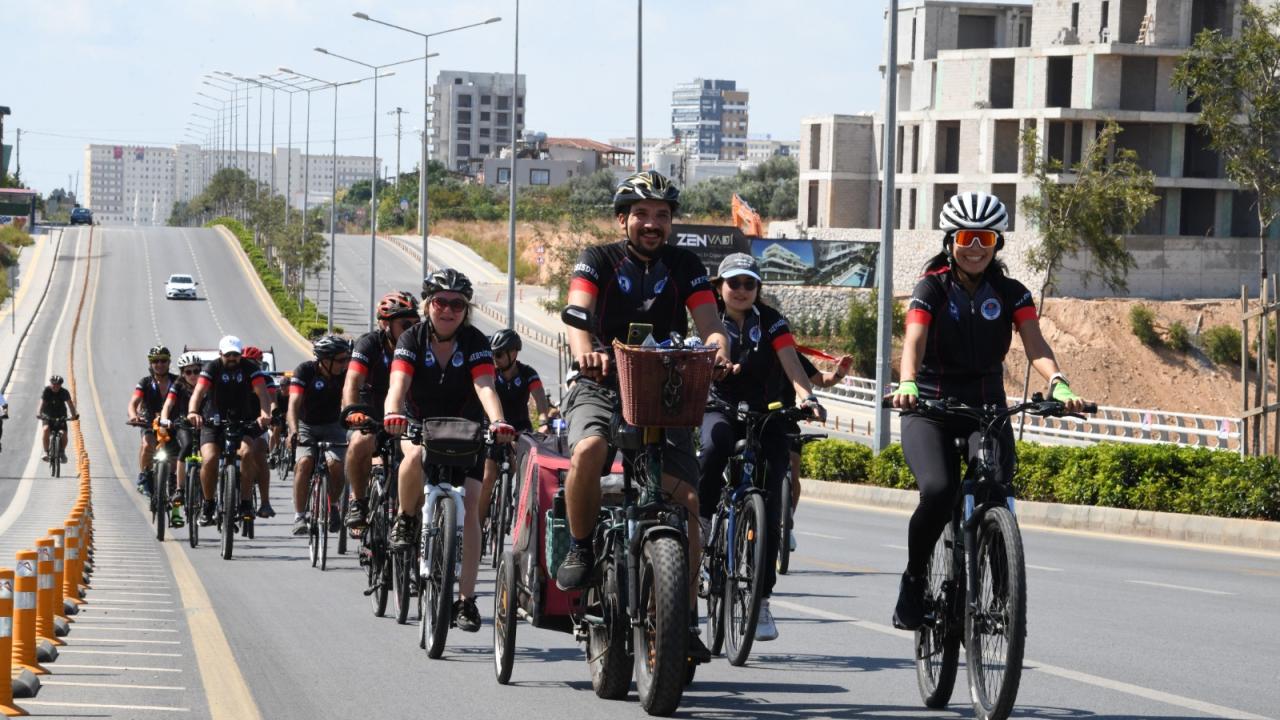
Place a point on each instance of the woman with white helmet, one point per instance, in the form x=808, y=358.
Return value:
x=961, y=320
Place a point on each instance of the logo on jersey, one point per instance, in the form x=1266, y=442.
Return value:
x=990, y=308
x=429, y=359
x=457, y=359
x=585, y=269
x=754, y=334
x=624, y=284
x=239, y=377
x=662, y=285
x=700, y=281
x=955, y=311
x=780, y=325
x=519, y=381
x=481, y=356
x=226, y=378
x=318, y=384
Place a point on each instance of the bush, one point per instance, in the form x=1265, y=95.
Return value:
x=860, y=327
x=1222, y=344
x=1143, y=322
x=1179, y=337
x=1164, y=478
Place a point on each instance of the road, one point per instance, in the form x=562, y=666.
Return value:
x=1118, y=628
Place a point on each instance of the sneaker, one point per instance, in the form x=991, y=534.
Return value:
x=175, y=517
x=402, y=535
x=909, y=613
x=466, y=616
x=63, y=457
x=246, y=509
x=44, y=457
x=357, y=514
x=300, y=525
x=791, y=540
x=575, y=571
x=272, y=461
x=143, y=485
x=696, y=650
x=266, y=511
x=206, y=513
x=766, y=628
x=335, y=521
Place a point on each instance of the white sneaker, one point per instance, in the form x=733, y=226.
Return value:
x=791, y=540
x=766, y=628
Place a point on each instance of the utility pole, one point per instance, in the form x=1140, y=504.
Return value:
x=17, y=151
x=397, y=112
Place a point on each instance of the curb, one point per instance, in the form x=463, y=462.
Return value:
x=1227, y=532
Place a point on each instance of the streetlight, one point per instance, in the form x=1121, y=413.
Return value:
x=288, y=163
x=333, y=201
x=639, y=85
x=511, y=210
x=426, y=96
x=373, y=186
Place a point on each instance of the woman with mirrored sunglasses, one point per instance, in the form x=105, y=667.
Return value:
x=960, y=323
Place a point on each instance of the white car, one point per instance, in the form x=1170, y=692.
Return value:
x=180, y=286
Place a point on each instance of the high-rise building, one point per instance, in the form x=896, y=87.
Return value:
x=471, y=115
x=710, y=118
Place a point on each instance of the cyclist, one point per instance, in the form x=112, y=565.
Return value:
x=175, y=404
x=637, y=279
x=279, y=428
x=959, y=325
x=262, y=475
x=368, y=376
x=55, y=401
x=4, y=413
x=762, y=346
x=148, y=397
x=443, y=367
x=227, y=389
x=315, y=403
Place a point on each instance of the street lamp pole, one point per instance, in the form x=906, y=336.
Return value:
x=639, y=85
x=884, y=332
x=511, y=210
x=426, y=112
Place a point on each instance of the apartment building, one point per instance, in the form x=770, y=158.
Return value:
x=710, y=117
x=471, y=117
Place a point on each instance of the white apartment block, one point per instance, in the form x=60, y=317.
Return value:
x=471, y=116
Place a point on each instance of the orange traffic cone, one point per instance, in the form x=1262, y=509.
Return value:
x=45, y=635
x=6, y=644
x=24, y=613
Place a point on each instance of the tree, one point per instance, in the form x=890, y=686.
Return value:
x=1236, y=81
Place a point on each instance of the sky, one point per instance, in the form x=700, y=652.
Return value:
x=126, y=72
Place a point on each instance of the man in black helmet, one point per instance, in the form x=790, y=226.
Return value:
x=640, y=279
x=54, y=402
x=145, y=404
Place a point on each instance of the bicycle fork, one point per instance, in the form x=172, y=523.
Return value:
x=435, y=493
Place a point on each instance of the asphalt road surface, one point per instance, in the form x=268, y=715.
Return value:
x=1117, y=628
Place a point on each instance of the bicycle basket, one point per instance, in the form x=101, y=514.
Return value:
x=663, y=387
x=451, y=442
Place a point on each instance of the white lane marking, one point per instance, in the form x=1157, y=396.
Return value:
x=151, y=301
x=1085, y=678
x=895, y=547
x=112, y=685
x=141, y=579
x=132, y=640
x=1179, y=587
x=111, y=618
x=114, y=628
x=136, y=668
x=128, y=609
x=73, y=651
x=102, y=706
x=101, y=591
x=200, y=273
x=818, y=535
x=131, y=584
x=1045, y=568
x=99, y=601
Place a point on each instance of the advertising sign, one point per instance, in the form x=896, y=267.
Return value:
x=711, y=243
x=784, y=261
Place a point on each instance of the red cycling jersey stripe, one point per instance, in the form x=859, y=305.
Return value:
x=258, y=380
x=585, y=285
x=699, y=298
x=784, y=340
x=919, y=317
x=357, y=366
x=403, y=366
x=1024, y=314
x=481, y=370
x=297, y=390
x=535, y=385
x=137, y=393
x=204, y=381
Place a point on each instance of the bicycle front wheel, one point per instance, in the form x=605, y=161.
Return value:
x=505, y=600
x=996, y=627
x=230, y=484
x=661, y=639
x=713, y=563
x=937, y=641
x=784, y=536
x=342, y=510
x=437, y=584
x=160, y=498
x=743, y=581
x=194, y=503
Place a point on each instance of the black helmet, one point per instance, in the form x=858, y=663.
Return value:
x=55, y=379
x=505, y=341
x=647, y=185
x=330, y=346
x=157, y=352
x=446, y=280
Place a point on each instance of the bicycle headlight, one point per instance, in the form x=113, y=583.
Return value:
x=162, y=455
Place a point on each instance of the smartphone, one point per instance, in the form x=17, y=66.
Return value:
x=637, y=332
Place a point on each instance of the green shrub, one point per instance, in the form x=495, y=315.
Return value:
x=1179, y=337
x=1222, y=344
x=1143, y=322
x=835, y=460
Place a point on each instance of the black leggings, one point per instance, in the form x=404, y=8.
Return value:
x=929, y=445
x=719, y=434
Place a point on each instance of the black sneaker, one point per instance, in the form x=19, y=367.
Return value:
x=335, y=521
x=206, y=513
x=402, y=535
x=246, y=510
x=575, y=571
x=357, y=514
x=63, y=458
x=266, y=511
x=466, y=616
x=909, y=613
x=697, y=651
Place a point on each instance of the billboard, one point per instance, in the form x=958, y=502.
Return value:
x=784, y=261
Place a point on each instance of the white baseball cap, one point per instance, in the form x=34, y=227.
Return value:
x=230, y=344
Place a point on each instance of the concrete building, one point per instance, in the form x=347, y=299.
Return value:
x=710, y=117
x=555, y=161
x=760, y=149
x=471, y=117
x=972, y=77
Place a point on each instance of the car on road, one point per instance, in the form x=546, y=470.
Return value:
x=81, y=216
x=180, y=286
x=268, y=357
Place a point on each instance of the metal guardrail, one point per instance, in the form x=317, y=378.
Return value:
x=1110, y=424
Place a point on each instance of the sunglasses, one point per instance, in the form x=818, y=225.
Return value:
x=231, y=355
x=191, y=371
x=985, y=238
x=741, y=283
x=456, y=304
x=339, y=360
x=157, y=361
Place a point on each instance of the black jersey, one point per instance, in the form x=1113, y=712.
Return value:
x=181, y=394
x=443, y=386
x=514, y=394
x=755, y=346
x=53, y=403
x=321, y=396
x=230, y=392
x=370, y=357
x=968, y=335
x=153, y=393
x=627, y=289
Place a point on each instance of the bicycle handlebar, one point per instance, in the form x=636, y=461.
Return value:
x=1037, y=405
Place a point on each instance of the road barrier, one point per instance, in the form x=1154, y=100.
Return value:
x=60, y=622
x=6, y=644
x=44, y=596
x=24, y=613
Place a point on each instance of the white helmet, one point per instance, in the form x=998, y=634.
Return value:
x=974, y=211
x=188, y=359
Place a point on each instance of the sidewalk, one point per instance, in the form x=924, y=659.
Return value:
x=35, y=267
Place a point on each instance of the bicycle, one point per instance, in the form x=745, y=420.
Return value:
x=788, y=520
x=159, y=477
x=737, y=544
x=193, y=494
x=389, y=574
x=976, y=577
x=57, y=426
x=320, y=507
x=497, y=523
x=234, y=431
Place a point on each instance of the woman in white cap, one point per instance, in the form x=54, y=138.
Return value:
x=763, y=349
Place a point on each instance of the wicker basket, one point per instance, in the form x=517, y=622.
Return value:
x=664, y=387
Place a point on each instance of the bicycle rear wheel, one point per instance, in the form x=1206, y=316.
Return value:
x=505, y=599
x=55, y=454
x=400, y=565
x=713, y=561
x=610, y=663
x=787, y=527
x=996, y=628
x=661, y=640
x=436, y=591
x=937, y=642
x=743, y=582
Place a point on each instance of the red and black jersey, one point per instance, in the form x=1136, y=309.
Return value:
x=968, y=335
x=755, y=347
x=371, y=357
x=514, y=394
x=629, y=289
x=153, y=392
x=321, y=396
x=443, y=386
x=181, y=394
x=230, y=392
